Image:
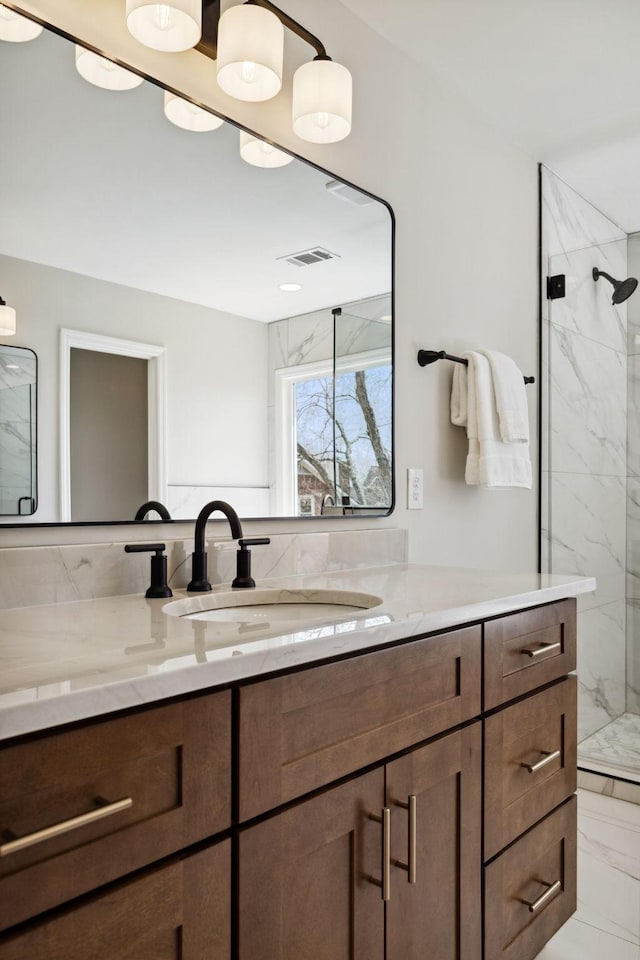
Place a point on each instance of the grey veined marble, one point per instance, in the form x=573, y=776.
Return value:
x=588, y=406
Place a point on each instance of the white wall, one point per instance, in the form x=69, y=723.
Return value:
x=465, y=203
x=208, y=391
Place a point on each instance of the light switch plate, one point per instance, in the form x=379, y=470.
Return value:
x=414, y=488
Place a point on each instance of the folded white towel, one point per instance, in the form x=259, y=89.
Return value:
x=511, y=397
x=490, y=461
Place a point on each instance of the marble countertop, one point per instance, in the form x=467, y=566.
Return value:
x=70, y=661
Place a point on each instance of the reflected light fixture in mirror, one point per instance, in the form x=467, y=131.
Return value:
x=250, y=53
x=17, y=29
x=104, y=73
x=188, y=115
x=7, y=319
x=169, y=27
x=259, y=153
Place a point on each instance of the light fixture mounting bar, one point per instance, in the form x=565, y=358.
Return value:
x=295, y=27
x=211, y=15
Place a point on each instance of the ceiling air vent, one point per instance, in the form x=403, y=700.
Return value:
x=306, y=257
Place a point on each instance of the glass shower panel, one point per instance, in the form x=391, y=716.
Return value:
x=18, y=375
x=585, y=470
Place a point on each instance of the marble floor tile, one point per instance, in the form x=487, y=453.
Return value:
x=606, y=925
x=615, y=747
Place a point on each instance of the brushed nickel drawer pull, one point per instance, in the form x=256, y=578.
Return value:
x=546, y=758
x=552, y=889
x=543, y=648
x=412, y=853
x=385, y=883
x=47, y=833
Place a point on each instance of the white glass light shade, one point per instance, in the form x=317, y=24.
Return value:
x=7, y=320
x=250, y=53
x=169, y=27
x=188, y=115
x=259, y=153
x=322, y=92
x=104, y=73
x=17, y=29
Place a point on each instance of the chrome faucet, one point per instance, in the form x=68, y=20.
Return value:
x=199, y=579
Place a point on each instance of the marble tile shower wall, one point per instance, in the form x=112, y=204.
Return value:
x=584, y=455
x=40, y=575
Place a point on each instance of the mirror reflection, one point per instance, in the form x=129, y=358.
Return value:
x=18, y=401
x=181, y=301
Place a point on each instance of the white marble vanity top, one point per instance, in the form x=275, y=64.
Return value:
x=70, y=661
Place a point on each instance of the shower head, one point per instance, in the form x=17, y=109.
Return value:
x=622, y=289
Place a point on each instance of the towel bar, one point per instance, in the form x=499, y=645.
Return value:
x=425, y=357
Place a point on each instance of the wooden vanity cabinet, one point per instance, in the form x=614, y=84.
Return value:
x=382, y=866
x=357, y=829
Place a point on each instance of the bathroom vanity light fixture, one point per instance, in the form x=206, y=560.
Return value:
x=169, y=27
x=17, y=29
x=7, y=319
x=188, y=115
x=247, y=42
x=104, y=73
x=259, y=153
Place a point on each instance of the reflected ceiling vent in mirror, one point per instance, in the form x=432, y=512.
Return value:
x=7, y=319
x=259, y=153
x=188, y=116
x=104, y=73
x=168, y=27
x=17, y=29
x=307, y=257
x=348, y=194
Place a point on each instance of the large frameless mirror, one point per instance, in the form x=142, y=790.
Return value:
x=181, y=301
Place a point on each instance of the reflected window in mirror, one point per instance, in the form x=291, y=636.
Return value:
x=123, y=225
x=18, y=431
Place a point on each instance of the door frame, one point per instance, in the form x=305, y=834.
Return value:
x=156, y=405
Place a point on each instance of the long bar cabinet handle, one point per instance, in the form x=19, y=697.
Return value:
x=385, y=883
x=552, y=889
x=412, y=852
x=543, y=648
x=546, y=758
x=73, y=823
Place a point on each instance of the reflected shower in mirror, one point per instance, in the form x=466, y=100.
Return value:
x=122, y=233
x=18, y=453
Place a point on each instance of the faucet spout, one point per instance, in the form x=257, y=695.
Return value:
x=199, y=578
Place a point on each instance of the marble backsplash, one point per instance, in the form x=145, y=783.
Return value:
x=39, y=575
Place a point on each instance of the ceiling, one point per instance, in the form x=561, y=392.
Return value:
x=559, y=78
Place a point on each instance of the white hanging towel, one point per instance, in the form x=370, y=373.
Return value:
x=491, y=462
x=511, y=397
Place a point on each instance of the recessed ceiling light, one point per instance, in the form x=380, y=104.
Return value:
x=291, y=287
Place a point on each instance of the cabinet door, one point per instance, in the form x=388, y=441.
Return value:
x=305, y=878
x=176, y=912
x=439, y=914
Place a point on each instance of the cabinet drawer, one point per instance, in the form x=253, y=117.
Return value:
x=177, y=912
x=170, y=767
x=527, y=650
x=530, y=890
x=301, y=731
x=530, y=762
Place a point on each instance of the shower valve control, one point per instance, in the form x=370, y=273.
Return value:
x=414, y=489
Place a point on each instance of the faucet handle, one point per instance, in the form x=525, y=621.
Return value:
x=159, y=588
x=243, y=564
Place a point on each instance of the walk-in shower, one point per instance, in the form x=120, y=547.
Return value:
x=590, y=463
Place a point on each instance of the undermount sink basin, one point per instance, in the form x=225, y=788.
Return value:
x=271, y=606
